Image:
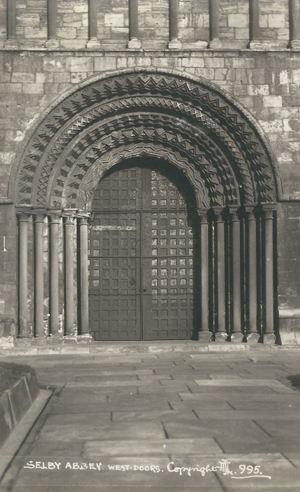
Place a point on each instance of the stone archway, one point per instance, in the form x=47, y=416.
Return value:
x=208, y=137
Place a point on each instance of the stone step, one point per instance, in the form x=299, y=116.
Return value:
x=133, y=349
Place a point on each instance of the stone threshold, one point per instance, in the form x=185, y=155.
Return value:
x=130, y=51
x=27, y=347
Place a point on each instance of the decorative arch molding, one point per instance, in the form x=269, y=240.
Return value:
x=204, y=157
x=99, y=167
x=206, y=109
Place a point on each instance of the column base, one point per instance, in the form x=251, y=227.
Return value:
x=295, y=44
x=93, y=43
x=221, y=337
x=253, y=338
x=255, y=45
x=85, y=338
x=52, y=43
x=175, y=44
x=215, y=44
x=237, y=337
x=269, y=338
x=11, y=43
x=134, y=44
x=40, y=341
x=204, y=336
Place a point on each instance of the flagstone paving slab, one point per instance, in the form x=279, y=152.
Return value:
x=203, y=405
x=224, y=390
x=162, y=408
x=79, y=408
x=236, y=430
x=161, y=415
x=151, y=447
x=285, y=414
x=96, y=417
x=87, y=431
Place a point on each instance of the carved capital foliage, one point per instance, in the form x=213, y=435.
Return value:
x=208, y=123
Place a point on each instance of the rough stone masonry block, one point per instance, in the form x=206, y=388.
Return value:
x=238, y=20
x=214, y=62
x=82, y=64
x=33, y=88
x=20, y=77
x=102, y=64
x=114, y=20
x=258, y=90
x=276, y=20
x=272, y=101
x=193, y=62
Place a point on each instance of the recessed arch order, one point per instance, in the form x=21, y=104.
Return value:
x=183, y=119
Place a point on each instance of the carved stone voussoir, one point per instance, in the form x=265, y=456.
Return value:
x=206, y=105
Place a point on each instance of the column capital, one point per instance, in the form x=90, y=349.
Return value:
x=69, y=220
x=218, y=211
x=84, y=218
x=84, y=213
x=234, y=212
x=250, y=208
x=39, y=215
x=54, y=216
x=268, y=210
x=69, y=212
x=202, y=214
x=23, y=216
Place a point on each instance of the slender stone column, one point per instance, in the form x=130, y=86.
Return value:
x=294, y=24
x=54, y=286
x=254, y=31
x=134, y=42
x=214, y=8
x=69, y=224
x=93, y=41
x=38, y=275
x=220, y=334
x=251, y=266
x=23, y=275
x=237, y=335
x=174, y=42
x=269, y=273
x=204, y=335
x=83, y=297
x=11, y=24
x=52, y=18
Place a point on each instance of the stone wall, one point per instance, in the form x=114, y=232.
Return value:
x=265, y=83
x=72, y=23
x=8, y=270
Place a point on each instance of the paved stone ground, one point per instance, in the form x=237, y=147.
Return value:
x=164, y=422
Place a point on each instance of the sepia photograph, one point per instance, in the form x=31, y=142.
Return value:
x=149, y=246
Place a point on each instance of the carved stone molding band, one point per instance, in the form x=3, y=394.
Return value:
x=209, y=110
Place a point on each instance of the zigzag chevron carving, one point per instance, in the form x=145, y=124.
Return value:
x=229, y=147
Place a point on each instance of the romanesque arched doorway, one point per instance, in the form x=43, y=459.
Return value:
x=208, y=139
x=141, y=248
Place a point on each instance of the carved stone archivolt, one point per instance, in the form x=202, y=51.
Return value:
x=189, y=123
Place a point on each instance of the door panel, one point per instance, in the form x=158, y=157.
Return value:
x=167, y=276
x=141, y=259
x=115, y=276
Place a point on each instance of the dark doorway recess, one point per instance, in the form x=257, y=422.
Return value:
x=143, y=254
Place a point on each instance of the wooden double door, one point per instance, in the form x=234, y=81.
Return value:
x=141, y=258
